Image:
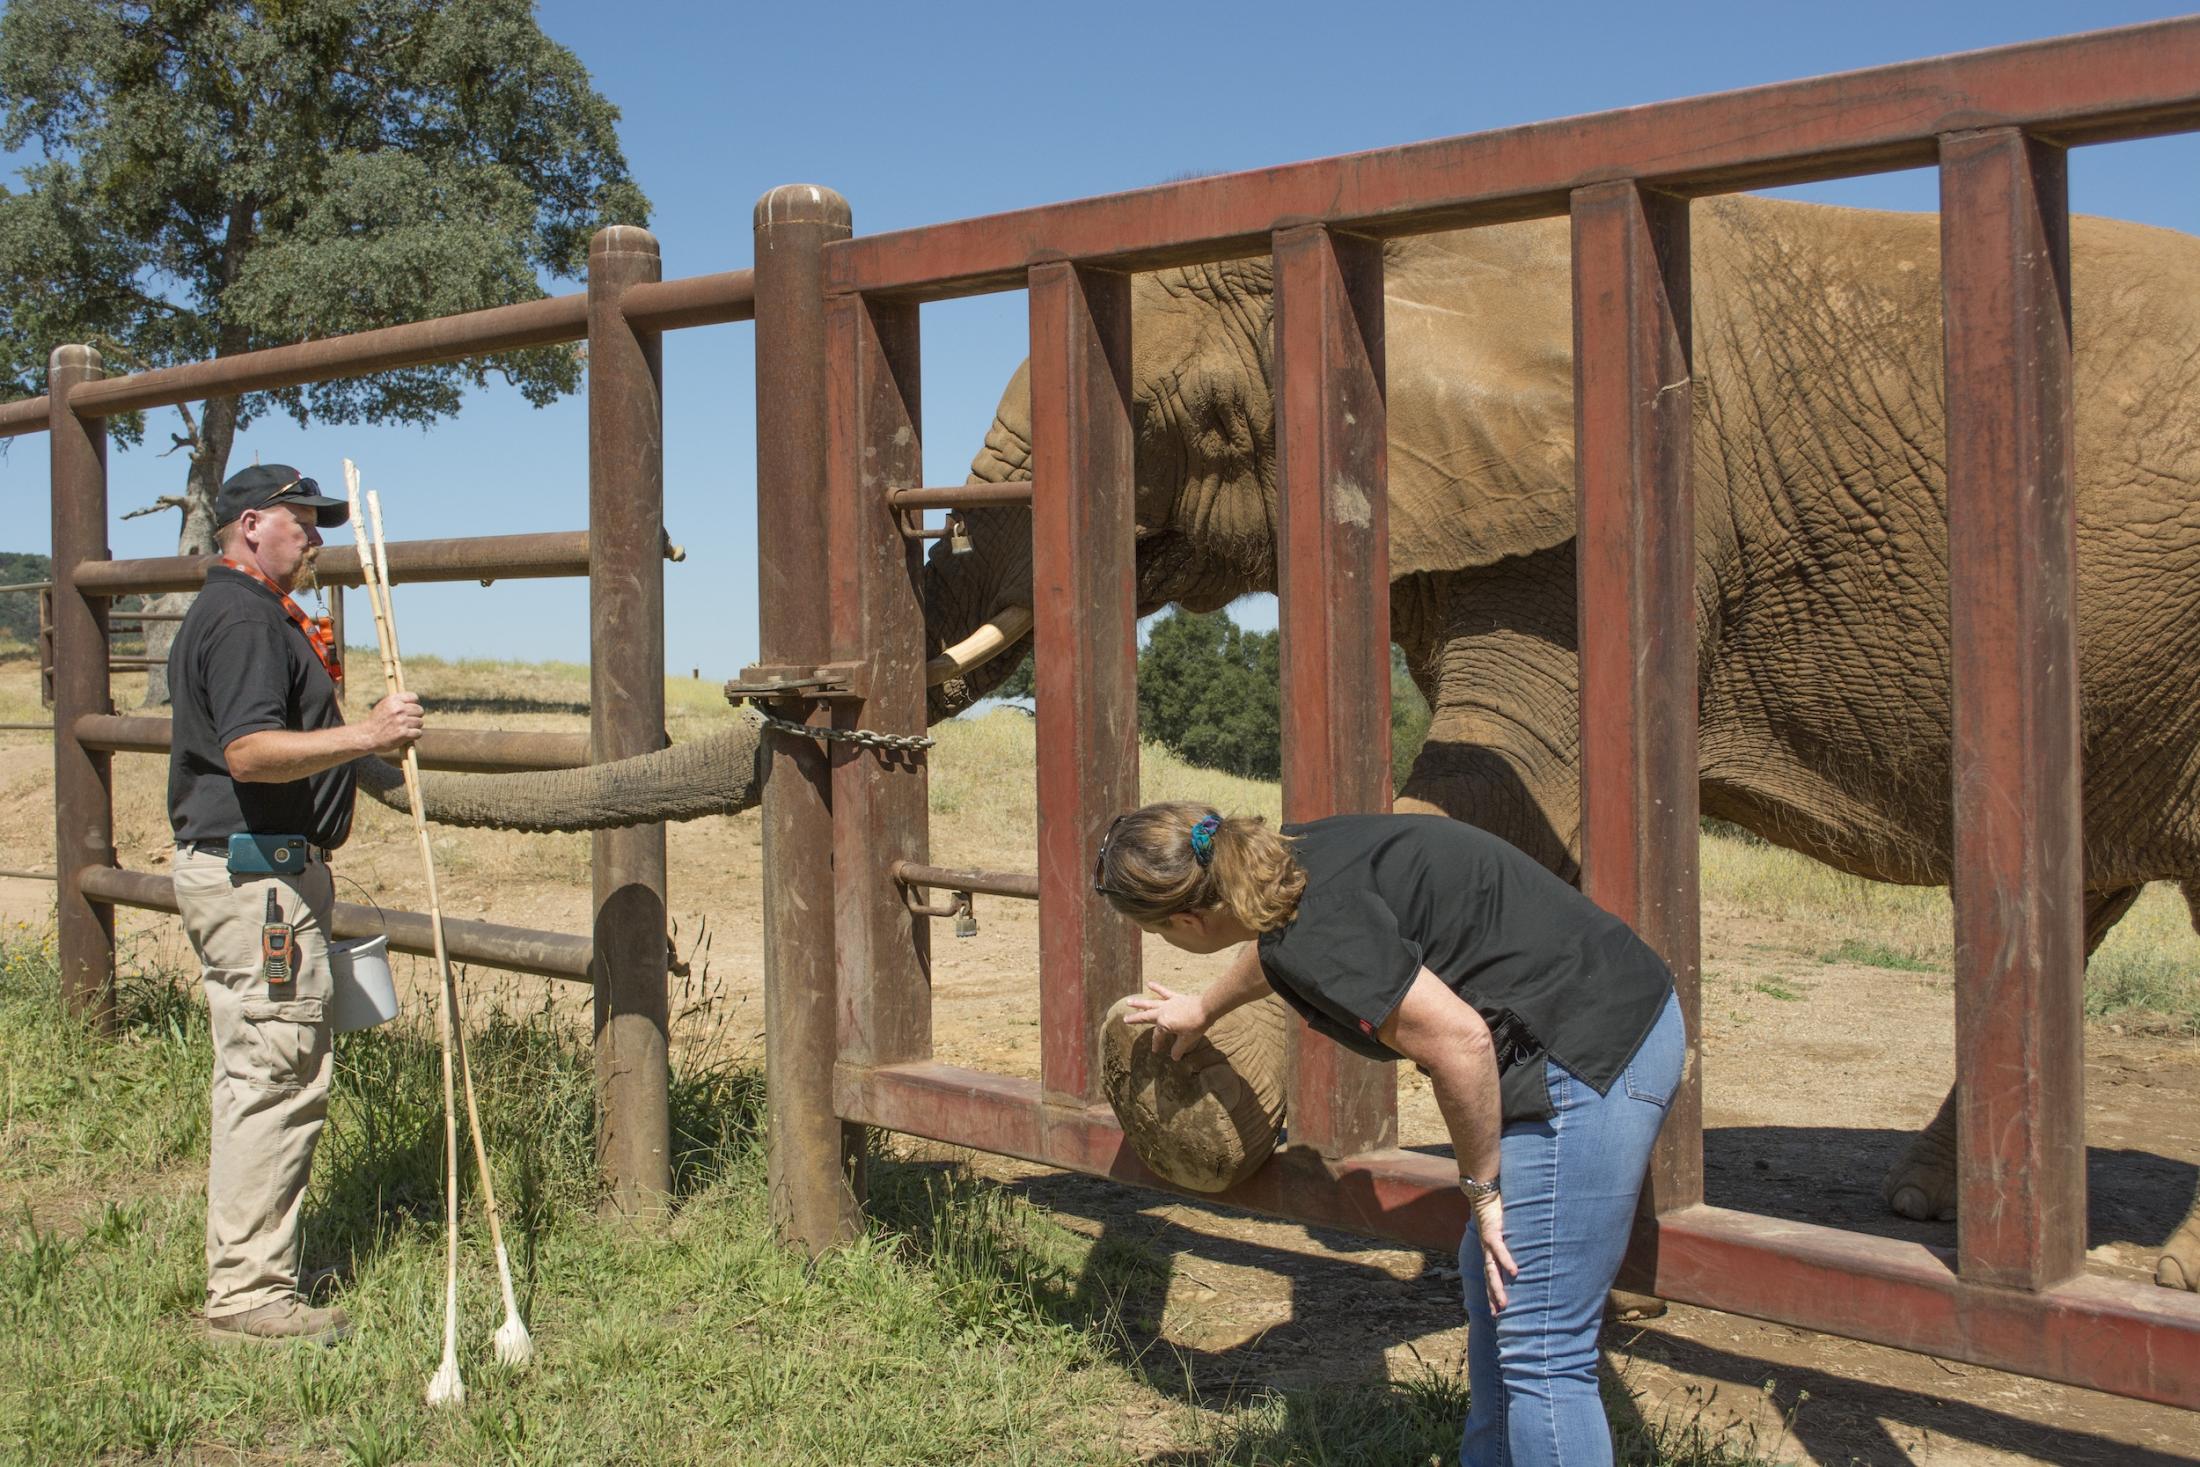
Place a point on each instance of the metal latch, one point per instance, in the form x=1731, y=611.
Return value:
x=960, y=905
x=764, y=681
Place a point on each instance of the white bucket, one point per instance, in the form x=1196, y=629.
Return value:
x=362, y=993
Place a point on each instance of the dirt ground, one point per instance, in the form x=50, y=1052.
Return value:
x=1815, y=1072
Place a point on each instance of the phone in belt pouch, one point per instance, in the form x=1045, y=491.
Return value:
x=278, y=945
x=252, y=854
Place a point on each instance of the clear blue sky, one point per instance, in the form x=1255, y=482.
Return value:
x=927, y=112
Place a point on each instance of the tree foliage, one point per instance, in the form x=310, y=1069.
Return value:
x=217, y=176
x=1208, y=690
x=1211, y=693
x=19, y=609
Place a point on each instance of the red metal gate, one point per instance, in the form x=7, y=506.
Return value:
x=850, y=1043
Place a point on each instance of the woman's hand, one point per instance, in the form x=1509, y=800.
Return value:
x=1180, y=1015
x=1497, y=1259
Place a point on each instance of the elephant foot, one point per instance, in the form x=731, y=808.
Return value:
x=1630, y=1307
x=1923, y=1184
x=2179, y=1265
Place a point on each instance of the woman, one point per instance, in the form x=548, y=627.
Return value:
x=1550, y=1032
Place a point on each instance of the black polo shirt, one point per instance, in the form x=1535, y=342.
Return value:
x=239, y=665
x=1552, y=973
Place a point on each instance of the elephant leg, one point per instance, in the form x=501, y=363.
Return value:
x=1922, y=1184
x=1503, y=737
x=2179, y=1265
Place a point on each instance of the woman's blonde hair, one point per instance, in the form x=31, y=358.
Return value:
x=1150, y=868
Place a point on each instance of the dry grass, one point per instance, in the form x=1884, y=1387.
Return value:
x=983, y=815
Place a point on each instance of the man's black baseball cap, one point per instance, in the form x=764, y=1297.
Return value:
x=266, y=484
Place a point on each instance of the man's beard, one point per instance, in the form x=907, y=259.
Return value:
x=306, y=579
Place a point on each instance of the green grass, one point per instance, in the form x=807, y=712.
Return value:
x=964, y=1326
x=1878, y=955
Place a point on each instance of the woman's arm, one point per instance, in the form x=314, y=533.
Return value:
x=1441, y=1032
x=1188, y=1015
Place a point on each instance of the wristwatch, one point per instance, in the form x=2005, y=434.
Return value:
x=1475, y=1190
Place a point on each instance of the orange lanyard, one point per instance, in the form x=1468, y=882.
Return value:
x=320, y=630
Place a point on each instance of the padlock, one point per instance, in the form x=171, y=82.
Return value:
x=958, y=533
x=966, y=915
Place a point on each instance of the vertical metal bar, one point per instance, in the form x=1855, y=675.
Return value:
x=1636, y=574
x=1085, y=592
x=626, y=699
x=1333, y=573
x=2012, y=557
x=83, y=792
x=879, y=806
x=812, y=1158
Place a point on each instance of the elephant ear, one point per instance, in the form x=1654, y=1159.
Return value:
x=1006, y=455
x=1479, y=366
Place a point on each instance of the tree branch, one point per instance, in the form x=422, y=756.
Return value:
x=188, y=438
x=166, y=501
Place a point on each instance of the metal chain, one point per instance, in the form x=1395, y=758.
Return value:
x=869, y=738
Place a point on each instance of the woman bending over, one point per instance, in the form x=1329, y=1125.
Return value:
x=1549, y=1031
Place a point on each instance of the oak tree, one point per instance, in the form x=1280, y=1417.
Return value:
x=211, y=177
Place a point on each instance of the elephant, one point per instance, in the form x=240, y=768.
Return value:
x=1821, y=590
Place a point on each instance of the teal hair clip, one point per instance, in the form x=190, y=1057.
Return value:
x=1203, y=839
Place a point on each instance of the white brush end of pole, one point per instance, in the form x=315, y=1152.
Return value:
x=515, y=1347
x=446, y=1388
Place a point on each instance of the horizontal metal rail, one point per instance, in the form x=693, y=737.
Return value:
x=981, y=883
x=698, y=300
x=484, y=944
x=11, y=873
x=2106, y=1334
x=475, y=751
x=966, y=496
x=26, y=728
x=482, y=557
x=26, y=415
x=115, y=616
x=27, y=585
x=2138, y=81
x=544, y=322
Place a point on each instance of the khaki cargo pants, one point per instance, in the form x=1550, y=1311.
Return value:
x=271, y=1071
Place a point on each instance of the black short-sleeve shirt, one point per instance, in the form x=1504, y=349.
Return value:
x=1553, y=974
x=239, y=665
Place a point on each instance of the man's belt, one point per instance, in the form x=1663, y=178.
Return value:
x=221, y=848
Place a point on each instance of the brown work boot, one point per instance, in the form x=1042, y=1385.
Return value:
x=284, y=1321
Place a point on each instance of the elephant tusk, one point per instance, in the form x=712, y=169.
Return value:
x=980, y=647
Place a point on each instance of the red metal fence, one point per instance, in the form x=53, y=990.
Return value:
x=1996, y=124
x=847, y=964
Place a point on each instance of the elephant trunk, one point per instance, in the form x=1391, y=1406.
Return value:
x=717, y=775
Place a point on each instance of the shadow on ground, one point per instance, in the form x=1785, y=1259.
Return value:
x=1831, y=1177
x=1338, y=1315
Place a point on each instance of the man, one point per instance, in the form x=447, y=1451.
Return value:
x=259, y=792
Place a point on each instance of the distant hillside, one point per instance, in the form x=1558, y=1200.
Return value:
x=19, y=610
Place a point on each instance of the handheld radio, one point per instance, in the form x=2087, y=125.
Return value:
x=275, y=944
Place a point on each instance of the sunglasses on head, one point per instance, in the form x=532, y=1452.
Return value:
x=1100, y=864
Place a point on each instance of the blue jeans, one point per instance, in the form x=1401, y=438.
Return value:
x=1570, y=1188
